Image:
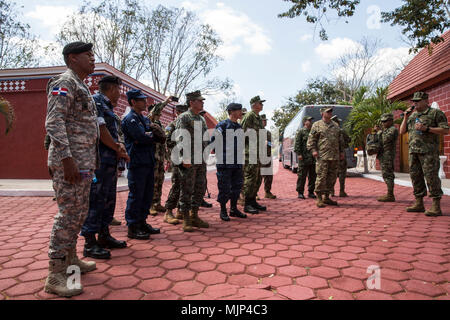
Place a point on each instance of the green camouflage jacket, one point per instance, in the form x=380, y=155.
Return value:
x=388, y=140
x=301, y=139
x=326, y=139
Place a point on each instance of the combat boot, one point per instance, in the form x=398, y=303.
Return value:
x=105, y=240
x=320, y=203
x=187, y=222
x=223, y=212
x=387, y=198
x=249, y=207
x=179, y=215
x=417, y=207
x=85, y=266
x=205, y=204
x=153, y=211
x=270, y=195
x=169, y=218
x=435, y=210
x=159, y=207
x=56, y=281
x=135, y=231
x=327, y=200
x=311, y=195
x=93, y=250
x=258, y=206
x=196, y=221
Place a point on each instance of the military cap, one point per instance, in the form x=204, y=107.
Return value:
x=234, y=106
x=181, y=108
x=263, y=117
x=111, y=79
x=326, y=109
x=336, y=119
x=418, y=96
x=77, y=47
x=307, y=118
x=256, y=99
x=386, y=117
x=135, y=94
x=196, y=95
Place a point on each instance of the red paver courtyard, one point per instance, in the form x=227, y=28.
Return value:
x=293, y=251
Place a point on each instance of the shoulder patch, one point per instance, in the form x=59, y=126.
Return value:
x=60, y=91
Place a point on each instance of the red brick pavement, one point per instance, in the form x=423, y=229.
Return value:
x=293, y=251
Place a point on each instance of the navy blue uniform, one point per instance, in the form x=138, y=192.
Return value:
x=229, y=173
x=140, y=146
x=102, y=198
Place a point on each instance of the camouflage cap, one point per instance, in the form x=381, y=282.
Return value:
x=307, y=118
x=256, y=99
x=181, y=108
x=386, y=117
x=418, y=96
x=77, y=47
x=196, y=95
x=263, y=117
x=326, y=109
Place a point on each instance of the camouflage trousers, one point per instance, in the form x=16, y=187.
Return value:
x=192, y=186
x=341, y=173
x=266, y=177
x=387, y=170
x=174, y=193
x=326, y=171
x=159, y=180
x=425, y=167
x=73, y=205
x=252, y=180
x=306, y=170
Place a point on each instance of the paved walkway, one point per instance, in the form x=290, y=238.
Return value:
x=293, y=251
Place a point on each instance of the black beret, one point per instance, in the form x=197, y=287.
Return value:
x=234, y=106
x=77, y=47
x=111, y=79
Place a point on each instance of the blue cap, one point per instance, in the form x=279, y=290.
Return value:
x=135, y=94
x=234, y=106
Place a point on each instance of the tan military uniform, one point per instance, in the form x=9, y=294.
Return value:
x=71, y=124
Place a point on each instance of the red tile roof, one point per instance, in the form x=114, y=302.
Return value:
x=423, y=71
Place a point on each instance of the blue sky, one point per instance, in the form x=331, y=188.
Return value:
x=263, y=54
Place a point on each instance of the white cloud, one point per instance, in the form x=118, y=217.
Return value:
x=194, y=6
x=329, y=52
x=306, y=66
x=52, y=17
x=306, y=37
x=237, y=31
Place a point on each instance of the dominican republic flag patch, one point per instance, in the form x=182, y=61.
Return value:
x=59, y=91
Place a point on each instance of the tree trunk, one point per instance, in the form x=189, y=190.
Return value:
x=366, y=163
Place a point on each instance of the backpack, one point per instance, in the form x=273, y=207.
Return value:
x=373, y=144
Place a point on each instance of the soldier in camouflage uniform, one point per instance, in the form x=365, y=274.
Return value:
x=388, y=139
x=160, y=157
x=71, y=124
x=342, y=168
x=268, y=178
x=424, y=126
x=306, y=162
x=192, y=174
x=252, y=172
x=325, y=144
x=241, y=195
x=174, y=193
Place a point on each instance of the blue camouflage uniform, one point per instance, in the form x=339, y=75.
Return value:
x=102, y=198
x=229, y=175
x=140, y=145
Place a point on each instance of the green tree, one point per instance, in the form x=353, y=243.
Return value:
x=366, y=113
x=423, y=22
x=17, y=44
x=317, y=91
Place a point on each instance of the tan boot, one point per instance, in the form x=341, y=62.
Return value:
x=320, y=203
x=386, y=198
x=85, y=266
x=153, y=211
x=159, y=207
x=417, y=207
x=435, y=210
x=56, y=281
x=187, y=222
x=169, y=218
x=196, y=221
x=269, y=195
x=179, y=215
x=327, y=200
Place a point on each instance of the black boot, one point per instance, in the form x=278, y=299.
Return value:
x=248, y=207
x=149, y=229
x=105, y=240
x=311, y=195
x=301, y=196
x=205, y=204
x=223, y=212
x=234, y=211
x=258, y=206
x=135, y=231
x=93, y=250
